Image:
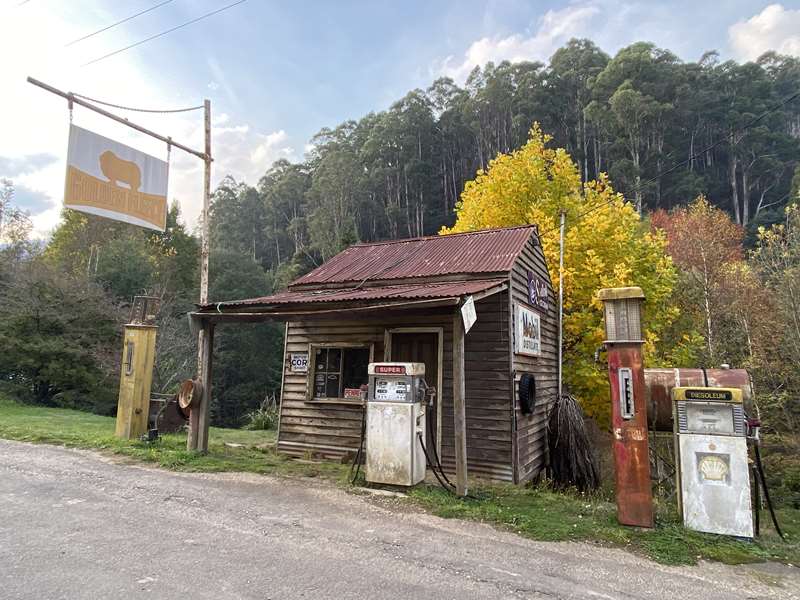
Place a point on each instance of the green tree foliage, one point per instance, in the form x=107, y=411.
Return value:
x=777, y=260
x=248, y=357
x=59, y=337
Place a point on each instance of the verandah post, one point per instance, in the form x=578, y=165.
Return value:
x=459, y=410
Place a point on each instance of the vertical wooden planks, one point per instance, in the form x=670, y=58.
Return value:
x=459, y=411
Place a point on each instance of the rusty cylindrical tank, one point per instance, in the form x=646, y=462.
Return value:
x=659, y=384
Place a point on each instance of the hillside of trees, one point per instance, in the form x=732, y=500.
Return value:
x=400, y=172
x=394, y=174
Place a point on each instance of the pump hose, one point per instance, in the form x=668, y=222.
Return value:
x=450, y=488
x=356, y=464
x=435, y=451
x=763, y=479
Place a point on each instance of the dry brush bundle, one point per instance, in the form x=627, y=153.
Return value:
x=573, y=459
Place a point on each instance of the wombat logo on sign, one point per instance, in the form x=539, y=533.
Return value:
x=117, y=169
x=111, y=180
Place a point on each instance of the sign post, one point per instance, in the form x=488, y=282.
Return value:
x=123, y=171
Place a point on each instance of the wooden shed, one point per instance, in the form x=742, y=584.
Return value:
x=402, y=301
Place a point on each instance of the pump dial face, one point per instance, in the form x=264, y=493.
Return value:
x=391, y=389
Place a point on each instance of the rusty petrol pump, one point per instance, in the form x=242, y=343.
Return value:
x=136, y=372
x=624, y=340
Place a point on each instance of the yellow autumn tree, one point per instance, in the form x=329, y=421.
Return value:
x=606, y=245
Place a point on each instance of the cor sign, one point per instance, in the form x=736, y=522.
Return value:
x=299, y=362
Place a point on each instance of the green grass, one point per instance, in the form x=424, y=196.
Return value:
x=538, y=513
x=543, y=514
x=257, y=453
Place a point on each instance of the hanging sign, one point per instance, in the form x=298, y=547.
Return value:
x=527, y=331
x=468, y=314
x=111, y=180
x=537, y=292
x=298, y=362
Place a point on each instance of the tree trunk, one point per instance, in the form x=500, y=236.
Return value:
x=745, y=198
x=733, y=165
x=707, y=306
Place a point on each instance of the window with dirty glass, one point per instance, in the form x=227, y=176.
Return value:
x=338, y=372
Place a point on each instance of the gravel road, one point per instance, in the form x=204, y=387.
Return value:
x=76, y=524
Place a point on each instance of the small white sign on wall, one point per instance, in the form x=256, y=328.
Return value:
x=298, y=362
x=527, y=331
x=468, y=314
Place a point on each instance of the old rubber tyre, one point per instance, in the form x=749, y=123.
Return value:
x=190, y=394
x=527, y=393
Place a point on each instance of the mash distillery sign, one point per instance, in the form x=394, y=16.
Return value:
x=528, y=331
x=111, y=180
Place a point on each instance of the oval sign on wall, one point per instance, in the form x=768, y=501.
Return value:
x=538, y=295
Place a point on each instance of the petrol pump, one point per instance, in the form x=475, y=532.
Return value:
x=711, y=456
x=624, y=340
x=395, y=419
x=136, y=373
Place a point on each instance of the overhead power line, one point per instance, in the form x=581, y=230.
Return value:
x=163, y=33
x=691, y=157
x=126, y=19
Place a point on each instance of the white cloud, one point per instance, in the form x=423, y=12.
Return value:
x=774, y=28
x=34, y=123
x=554, y=28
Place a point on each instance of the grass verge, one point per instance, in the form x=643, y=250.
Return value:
x=537, y=513
x=543, y=514
x=228, y=449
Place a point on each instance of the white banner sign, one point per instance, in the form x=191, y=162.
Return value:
x=528, y=331
x=115, y=181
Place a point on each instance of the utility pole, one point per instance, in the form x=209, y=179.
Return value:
x=206, y=203
x=200, y=415
x=561, y=304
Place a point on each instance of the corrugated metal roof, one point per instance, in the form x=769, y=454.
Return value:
x=411, y=291
x=486, y=251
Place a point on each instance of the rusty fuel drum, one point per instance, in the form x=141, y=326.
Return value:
x=659, y=384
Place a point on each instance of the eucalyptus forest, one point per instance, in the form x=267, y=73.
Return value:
x=704, y=150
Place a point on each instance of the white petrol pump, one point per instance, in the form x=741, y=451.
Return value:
x=711, y=457
x=395, y=418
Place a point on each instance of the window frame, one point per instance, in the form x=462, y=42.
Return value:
x=312, y=368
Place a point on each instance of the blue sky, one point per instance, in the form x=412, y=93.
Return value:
x=277, y=72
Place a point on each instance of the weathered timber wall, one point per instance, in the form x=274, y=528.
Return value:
x=332, y=429
x=487, y=389
x=530, y=431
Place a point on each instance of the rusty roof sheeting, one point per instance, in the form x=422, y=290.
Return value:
x=411, y=291
x=485, y=251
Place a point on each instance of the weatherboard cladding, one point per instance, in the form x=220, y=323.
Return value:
x=487, y=251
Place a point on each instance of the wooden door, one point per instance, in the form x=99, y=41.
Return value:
x=424, y=348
